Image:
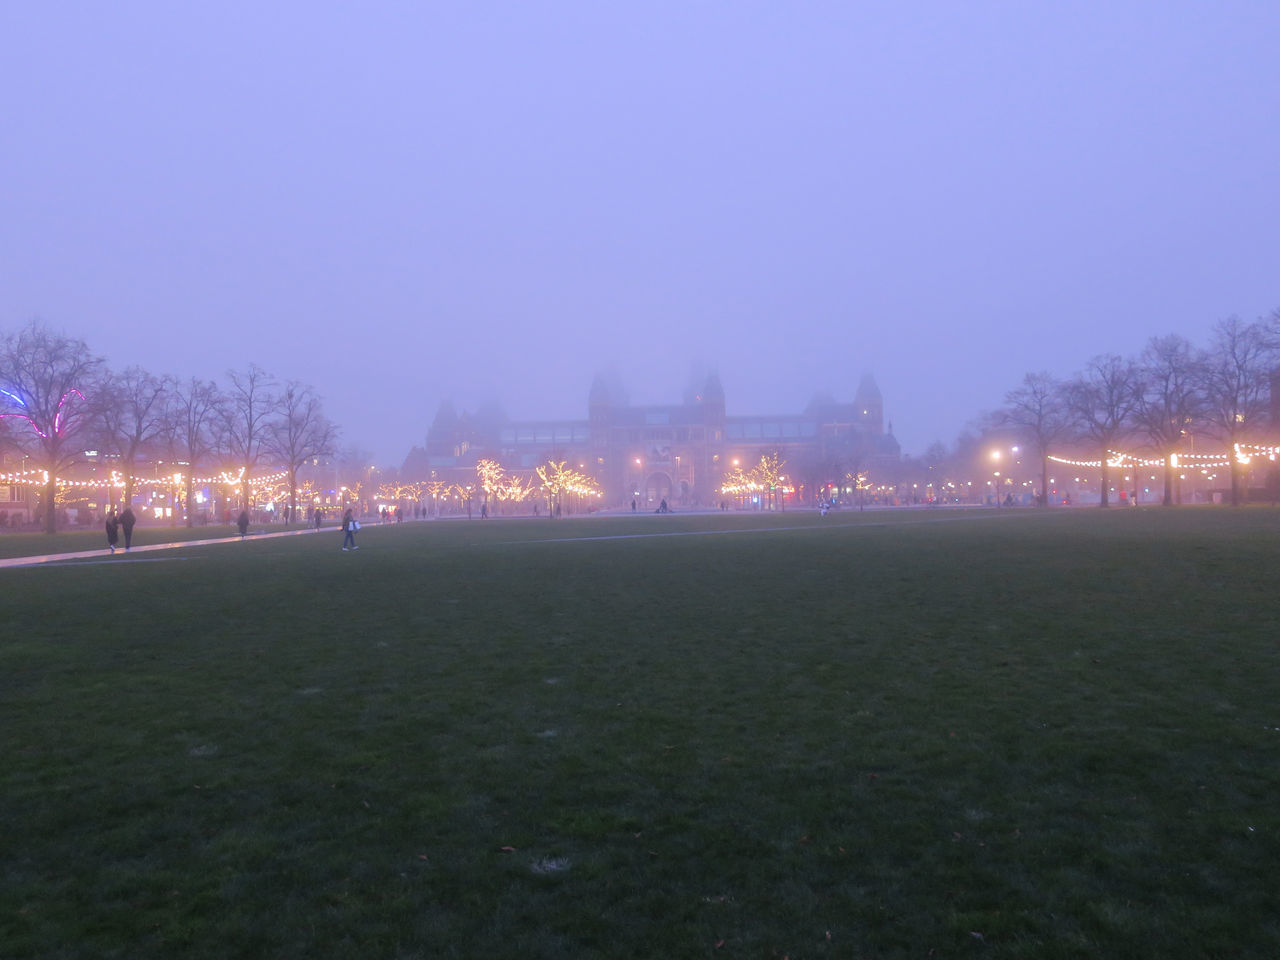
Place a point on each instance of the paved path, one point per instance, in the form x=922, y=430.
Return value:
x=122, y=555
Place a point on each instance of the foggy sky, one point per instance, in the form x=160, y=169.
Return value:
x=403, y=203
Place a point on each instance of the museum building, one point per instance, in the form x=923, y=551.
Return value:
x=679, y=452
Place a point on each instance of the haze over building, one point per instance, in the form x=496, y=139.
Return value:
x=678, y=452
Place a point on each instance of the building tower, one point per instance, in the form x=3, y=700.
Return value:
x=869, y=406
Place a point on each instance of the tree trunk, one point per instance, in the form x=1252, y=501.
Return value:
x=190, y=491
x=1168, y=479
x=293, y=493
x=1106, y=476
x=1235, y=480
x=1044, y=481
x=50, y=507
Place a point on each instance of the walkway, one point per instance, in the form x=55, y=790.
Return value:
x=103, y=554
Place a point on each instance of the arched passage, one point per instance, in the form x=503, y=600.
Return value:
x=656, y=489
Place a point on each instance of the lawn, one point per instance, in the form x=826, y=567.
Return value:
x=951, y=734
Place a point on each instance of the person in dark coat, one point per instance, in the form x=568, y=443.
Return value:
x=349, y=531
x=319, y=517
x=242, y=522
x=127, y=520
x=113, y=532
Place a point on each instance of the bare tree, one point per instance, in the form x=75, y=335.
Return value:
x=1101, y=403
x=247, y=408
x=1169, y=398
x=301, y=432
x=1236, y=385
x=1038, y=411
x=41, y=376
x=192, y=417
x=130, y=410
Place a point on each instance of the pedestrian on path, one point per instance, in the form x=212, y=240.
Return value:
x=349, y=527
x=242, y=522
x=127, y=520
x=319, y=517
x=113, y=532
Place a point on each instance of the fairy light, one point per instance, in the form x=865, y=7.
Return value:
x=1242, y=453
x=117, y=480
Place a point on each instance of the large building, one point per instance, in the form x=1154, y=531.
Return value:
x=679, y=452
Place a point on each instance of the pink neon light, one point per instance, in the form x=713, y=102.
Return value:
x=57, y=417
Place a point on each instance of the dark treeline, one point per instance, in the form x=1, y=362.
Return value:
x=1172, y=398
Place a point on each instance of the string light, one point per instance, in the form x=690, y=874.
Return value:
x=116, y=479
x=1243, y=453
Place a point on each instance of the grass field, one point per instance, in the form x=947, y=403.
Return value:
x=911, y=734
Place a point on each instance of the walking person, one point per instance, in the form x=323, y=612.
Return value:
x=242, y=523
x=113, y=532
x=319, y=517
x=349, y=527
x=127, y=520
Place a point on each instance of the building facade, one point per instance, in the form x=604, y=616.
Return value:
x=679, y=453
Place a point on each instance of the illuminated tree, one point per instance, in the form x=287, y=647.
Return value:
x=271, y=490
x=737, y=483
x=300, y=433
x=462, y=493
x=559, y=482
x=437, y=488
x=517, y=489
x=41, y=373
x=410, y=491
x=553, y=477
x=768, y=473
x=490, y=474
